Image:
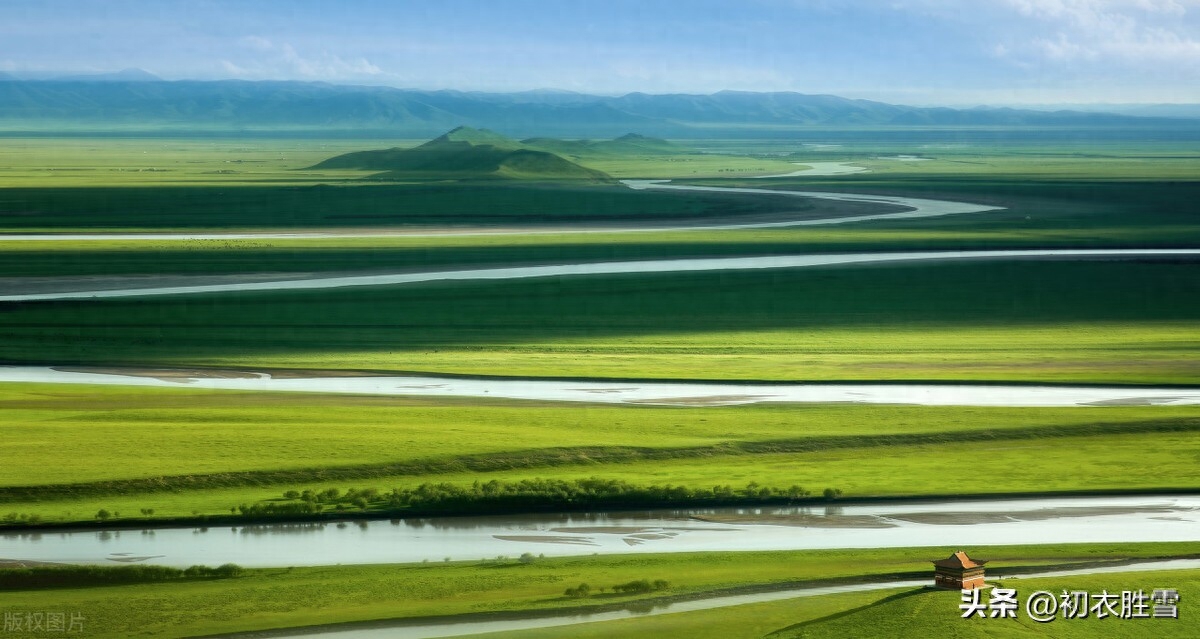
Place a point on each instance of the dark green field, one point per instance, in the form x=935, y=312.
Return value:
x=988, y=321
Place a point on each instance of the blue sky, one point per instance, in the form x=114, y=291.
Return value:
x=955, y=52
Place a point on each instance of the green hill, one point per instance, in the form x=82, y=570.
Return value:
x=466, y=153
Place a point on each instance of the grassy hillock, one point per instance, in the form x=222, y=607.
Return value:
x=466, y=153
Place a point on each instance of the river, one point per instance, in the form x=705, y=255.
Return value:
x=913, y=208
x=200, y=286
x=885, y=525
x=602, y=392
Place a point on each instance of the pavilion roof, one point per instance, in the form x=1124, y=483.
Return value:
x=959, y=560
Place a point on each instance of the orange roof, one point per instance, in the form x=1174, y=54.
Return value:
x=959, y=560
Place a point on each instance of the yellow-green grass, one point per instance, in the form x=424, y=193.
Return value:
x=1081, y=352
x=70, y=162
x=58, y=434
x=903, y=612
x=1097, y=463
x=748, y=621
x=272, y=598
x=1044, y=321
x=935, y=613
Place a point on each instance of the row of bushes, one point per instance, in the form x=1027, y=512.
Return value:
x=638, y=587
x=76, y=576
x=526, y=494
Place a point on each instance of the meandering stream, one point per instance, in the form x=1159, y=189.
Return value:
x=915, y=208
x=593, y=268
x=895, y=525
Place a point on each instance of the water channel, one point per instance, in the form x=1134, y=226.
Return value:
x=879, y=525
x=594, y=268
x=658, y=393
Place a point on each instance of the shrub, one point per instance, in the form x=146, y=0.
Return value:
x=641, y=587
x=578, y=592
x=228, y=570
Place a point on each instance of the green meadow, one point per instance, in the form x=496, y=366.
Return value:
x=902, y=612
x=187, y=454
x=1034, y=320
x=289, y=597
x=73, y=451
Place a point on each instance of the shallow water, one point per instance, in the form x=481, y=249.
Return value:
x=1043, y=521
x=657, y=393
x=819, y=169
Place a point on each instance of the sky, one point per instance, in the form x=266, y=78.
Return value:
x=922, y=52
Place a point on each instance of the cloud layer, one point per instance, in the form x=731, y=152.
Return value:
x=924, y=51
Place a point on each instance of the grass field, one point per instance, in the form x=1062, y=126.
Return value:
x=1099, y=463
x=75, y=450
x=1089, y=322
x=897, y=613
x=70, y=451
x=270, y=598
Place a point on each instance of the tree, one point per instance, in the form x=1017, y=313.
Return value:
x=103, y=514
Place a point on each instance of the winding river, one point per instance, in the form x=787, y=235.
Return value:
x=894, y=525
x=912, y=208
x=595, y=268
x=917, y=524
x=932, y=524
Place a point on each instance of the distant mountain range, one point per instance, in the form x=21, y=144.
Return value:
x=135, y=99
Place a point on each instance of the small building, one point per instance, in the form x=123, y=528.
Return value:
x=958, y=572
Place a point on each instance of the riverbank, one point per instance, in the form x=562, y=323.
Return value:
x=262, y=599
x=602, y=507
x=360, y=540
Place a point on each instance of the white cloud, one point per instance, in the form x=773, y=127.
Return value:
x=1133, y=32
x=269, y=60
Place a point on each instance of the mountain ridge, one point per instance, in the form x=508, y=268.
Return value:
x=279, y=104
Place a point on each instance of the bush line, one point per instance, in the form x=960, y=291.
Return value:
x=74, y=576
x=525, y=495
x=550, y=457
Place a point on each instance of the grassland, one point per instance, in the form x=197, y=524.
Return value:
x=71, y=451
x=1081, y=322
x=271, y=598
x=895, y=613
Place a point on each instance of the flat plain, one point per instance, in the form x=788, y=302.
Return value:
x=74, y=451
